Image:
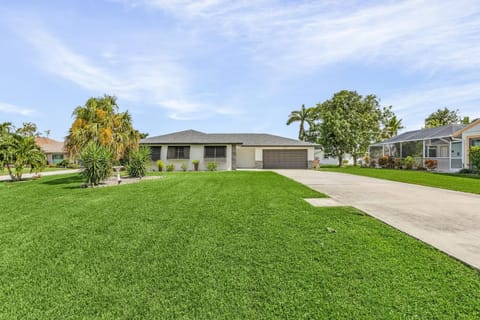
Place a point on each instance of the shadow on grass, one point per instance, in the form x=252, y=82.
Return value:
x=69, y=182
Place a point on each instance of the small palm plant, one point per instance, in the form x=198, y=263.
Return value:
x=97, y=161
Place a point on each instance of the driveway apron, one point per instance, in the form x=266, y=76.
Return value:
x=447, y=220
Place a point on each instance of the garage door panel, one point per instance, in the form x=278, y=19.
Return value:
x=285, y=159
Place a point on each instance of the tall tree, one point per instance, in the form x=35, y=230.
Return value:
x=99, y=121
x=350, y=123
x=18, y=150
x=442, y=117
x=304, y=115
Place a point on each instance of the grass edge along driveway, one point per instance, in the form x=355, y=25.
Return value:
x=221, y=245
x=455, y=182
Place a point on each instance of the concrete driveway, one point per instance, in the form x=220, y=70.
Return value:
x=447, y=220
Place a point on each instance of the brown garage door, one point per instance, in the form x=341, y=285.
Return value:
x=285, y=159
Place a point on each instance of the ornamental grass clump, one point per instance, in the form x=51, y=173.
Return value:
x=138, y=162
x=97, y=161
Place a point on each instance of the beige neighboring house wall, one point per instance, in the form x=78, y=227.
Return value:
x=54, y=150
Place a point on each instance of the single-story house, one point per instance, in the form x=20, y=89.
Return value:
x=449, y=145
x=230, y=150
x=54, y=150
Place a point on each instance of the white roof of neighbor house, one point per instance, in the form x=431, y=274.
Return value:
x=245, y=139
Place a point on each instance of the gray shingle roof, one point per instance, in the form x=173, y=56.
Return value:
x=246, y=139
x=422, y=134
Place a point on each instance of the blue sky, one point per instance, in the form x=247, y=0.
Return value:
x=234, y=66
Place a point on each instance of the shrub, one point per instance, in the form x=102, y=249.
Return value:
x=465, y=171
x=195, y=164
x=475, y=158
x=170, y=167
x=212, y=166
x=344, y=162
x=382, y=161
x=73, y=166
x=138, y=161
x=397, y=163
x=373, y=163
x=97, y=161
x=160, y=165
x=184, y=166
x=431, y=164
x=64, y=163
x=390, y=162
x=409, y=162
x=366, y=161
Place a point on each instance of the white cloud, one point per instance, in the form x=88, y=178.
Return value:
x=146, y=79
x=10, y=108
x=420, y=35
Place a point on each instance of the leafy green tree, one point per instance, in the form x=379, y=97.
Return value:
x=475, y=158
x=99, y=121
x=18, y=150
x=97, y=161
x=442, y=117
x=304, y=115
x=350, y=123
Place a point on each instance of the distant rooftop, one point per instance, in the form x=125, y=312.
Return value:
x=49, y=145
x=245, y=139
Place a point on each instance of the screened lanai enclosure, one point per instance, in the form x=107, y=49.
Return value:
x=434, y=143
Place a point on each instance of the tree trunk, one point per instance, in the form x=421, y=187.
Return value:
x=354, y=160
x=340, y=160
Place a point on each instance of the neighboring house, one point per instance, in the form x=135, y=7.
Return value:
x=325, y=159
x=449, y=145
x=231, y=150
x=55, y=150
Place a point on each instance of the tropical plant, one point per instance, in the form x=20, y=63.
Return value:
x=475, y=158
x=138, y=161
x=409, y=162
x=391, y=126
x=443, y=117
x=431, y=164
x=97, y=161
x=18, y=150
x=303, y=115
x=212, y=166
x=160, y=165
x=184, y=166
x=99, y=121
x=170, y=167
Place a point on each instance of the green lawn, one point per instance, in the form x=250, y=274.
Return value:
x=221, y=245
x=457, y=182
x=27, y=170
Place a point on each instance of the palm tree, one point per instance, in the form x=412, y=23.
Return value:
x=100, y=122
x=19, y=150
x=392, y=126
x=303, y=115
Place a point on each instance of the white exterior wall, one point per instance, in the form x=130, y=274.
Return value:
x=245, y=157
x=319, y=154
x=472, y=132
x=196, y=153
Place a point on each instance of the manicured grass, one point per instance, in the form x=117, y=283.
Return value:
x=27, y=170
x=221, y=245
x=457, y=182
